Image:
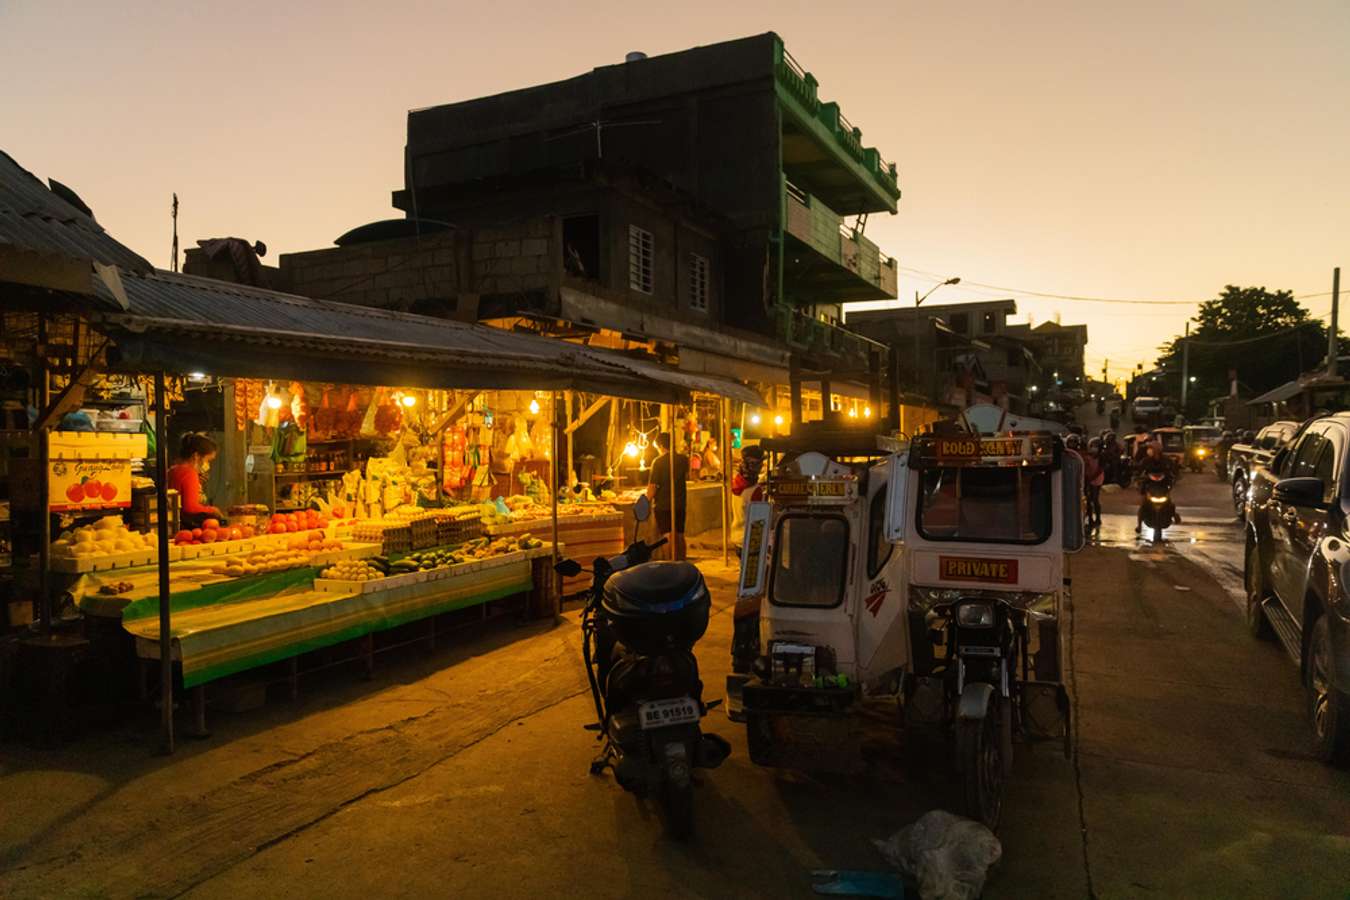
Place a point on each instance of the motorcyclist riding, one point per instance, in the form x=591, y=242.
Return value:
x=1153, y=462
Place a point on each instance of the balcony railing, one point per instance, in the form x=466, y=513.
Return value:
x=821, y=228
x=804, y=87
x=806, y=333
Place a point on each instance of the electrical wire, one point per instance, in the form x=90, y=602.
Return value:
x=1051, y=296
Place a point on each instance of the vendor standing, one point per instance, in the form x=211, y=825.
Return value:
x=195, y=454
x=659, y=492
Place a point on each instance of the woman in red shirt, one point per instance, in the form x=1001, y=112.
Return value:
x=185, y=476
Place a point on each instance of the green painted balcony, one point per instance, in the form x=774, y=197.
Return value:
x=824, y=152
x=826, y=261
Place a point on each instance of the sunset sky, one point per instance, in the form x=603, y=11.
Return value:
x=1147, y=150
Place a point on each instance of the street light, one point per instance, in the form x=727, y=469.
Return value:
x=918, y=301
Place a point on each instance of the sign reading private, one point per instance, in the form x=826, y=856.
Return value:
x=974, y=568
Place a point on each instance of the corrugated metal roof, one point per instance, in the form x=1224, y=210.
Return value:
x=184, y=320
x=32, y=218
x=189, y=312
x=1279, y=394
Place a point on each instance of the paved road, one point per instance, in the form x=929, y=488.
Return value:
x=463, y=773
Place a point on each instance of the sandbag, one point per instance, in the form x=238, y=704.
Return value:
x=947, y=856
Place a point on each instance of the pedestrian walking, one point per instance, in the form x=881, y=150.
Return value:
x=1094, y=476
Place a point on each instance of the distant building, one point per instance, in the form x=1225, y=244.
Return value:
x=1059, y=348
x=956, y=353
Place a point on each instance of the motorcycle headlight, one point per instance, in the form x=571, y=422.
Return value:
x=1159, y=500
x=975, y=615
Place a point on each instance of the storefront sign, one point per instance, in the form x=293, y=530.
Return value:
x=974, y=450
x=971, y=568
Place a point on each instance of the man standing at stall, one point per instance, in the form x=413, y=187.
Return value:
x=669, y=520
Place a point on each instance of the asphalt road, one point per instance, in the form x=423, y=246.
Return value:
x=463, y=772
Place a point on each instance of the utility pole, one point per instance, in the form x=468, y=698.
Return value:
x=1185, y=366
x=1332, y=349
x=174, y=261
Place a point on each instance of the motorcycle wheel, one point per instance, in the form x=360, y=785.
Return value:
x=979, y=751
x=1157, y=535
x=677, y=808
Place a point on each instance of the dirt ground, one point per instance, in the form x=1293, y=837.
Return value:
x=463, y=772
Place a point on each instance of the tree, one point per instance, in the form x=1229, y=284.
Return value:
x=1265, y=335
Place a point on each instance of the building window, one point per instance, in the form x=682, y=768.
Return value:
x=698, y=282
x=960, y=323
x=641, y=258
x=990, y=323
x=581, y=246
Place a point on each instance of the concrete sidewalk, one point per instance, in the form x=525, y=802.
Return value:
x=464, y=773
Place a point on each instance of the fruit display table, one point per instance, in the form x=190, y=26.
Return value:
x=279, y=616
x=584, y=535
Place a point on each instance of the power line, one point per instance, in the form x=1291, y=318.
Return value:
x=1051, y=296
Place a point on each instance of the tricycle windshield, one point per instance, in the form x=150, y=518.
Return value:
x=809, y=557
x=1203, y=434
x=996, y=505
x=1171, y=441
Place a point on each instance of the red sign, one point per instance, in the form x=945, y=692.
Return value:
x=976, y=568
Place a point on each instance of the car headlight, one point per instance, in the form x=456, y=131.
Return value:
x=975, y=615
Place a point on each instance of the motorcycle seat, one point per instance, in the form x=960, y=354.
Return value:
x=655, y=587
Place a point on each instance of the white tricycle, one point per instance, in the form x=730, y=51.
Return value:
x=929, y=572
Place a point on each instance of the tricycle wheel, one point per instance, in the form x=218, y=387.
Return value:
x=979, y=750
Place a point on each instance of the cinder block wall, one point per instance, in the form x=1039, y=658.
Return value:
x=396, y=274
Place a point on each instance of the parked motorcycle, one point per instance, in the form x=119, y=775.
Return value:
x=1157, y=507
x=639, y=628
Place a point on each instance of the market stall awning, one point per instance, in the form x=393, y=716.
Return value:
x=686, y=382
x=47, y=242
x=185, y=324
x=1279, y=394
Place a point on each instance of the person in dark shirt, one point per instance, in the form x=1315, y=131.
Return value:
x=658, y=491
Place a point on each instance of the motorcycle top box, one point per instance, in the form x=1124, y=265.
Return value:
x=658, y=606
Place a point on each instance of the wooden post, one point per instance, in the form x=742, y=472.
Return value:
x=557, y=440
x=44, y=486
x=724, y=441
x=570, y=471
x=674, y=493
x=162, y=535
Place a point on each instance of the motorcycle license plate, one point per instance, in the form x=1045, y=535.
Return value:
x=661, y=713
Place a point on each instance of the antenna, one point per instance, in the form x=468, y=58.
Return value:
x=173, y=264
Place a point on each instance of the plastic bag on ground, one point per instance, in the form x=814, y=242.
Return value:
x=947, y=856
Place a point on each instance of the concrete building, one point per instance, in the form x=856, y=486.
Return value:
x=956, y=353
x=690, y=206
x=1059, y=348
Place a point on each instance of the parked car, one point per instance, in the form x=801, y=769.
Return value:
x=1243, y=457
x=1296, y=558
x=1146, y=410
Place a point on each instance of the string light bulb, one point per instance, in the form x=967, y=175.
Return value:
x=630, y=450
x=778, y=420
x=409, y=400
x=867, y=412
x=534, y=407
x=754, y=419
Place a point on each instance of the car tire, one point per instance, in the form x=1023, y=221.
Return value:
x=1240, y=497
x=1328, y=707
x=1254, y=579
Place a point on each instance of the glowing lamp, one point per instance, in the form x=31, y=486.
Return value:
x=867, y=412
x=754, y=419
x=534, y=407
x=409, y=400
x=273, y=401
x=778, y=420
x=630, y=450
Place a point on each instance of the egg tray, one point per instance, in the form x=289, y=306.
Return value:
x=79, y=565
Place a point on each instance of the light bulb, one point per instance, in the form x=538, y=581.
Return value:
x=197, y=376
x=630, y=450
x=409, y=400
x=274, y=402
x=853, y=413
x=778, y=420
x=754, y=419
x=867, y=412
x=534, y=407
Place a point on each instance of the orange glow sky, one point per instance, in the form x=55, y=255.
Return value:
x=1139, y=150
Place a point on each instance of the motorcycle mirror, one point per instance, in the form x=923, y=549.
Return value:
x=642, y=509
x=568, y=568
